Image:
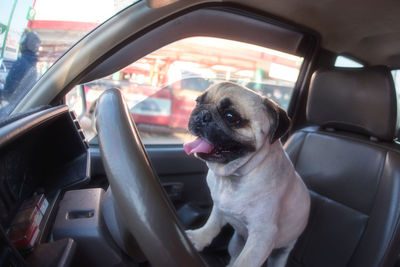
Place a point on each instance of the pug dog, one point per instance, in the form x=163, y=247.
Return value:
x=253, y=184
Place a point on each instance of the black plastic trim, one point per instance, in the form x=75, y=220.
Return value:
x=19, y=127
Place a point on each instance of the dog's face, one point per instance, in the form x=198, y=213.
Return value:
x=232, y=122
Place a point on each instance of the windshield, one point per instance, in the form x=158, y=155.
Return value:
x=35, y=33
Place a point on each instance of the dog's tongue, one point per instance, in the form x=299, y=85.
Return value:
x=198, y=146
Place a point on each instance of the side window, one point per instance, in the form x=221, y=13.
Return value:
x=345, y=62
x=396, y=80
x=161, y=88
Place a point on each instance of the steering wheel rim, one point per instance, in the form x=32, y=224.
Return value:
x=148, y=213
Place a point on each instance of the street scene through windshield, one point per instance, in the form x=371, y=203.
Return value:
x=160, y=88
x=35, y=33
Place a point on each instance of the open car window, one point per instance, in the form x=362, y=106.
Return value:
x=161, y=87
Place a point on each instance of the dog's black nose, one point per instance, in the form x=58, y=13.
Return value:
x=207, y=117
x=203, y=116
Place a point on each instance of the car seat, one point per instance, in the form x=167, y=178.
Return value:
x=351, y=164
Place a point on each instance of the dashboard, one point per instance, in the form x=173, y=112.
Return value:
x=42, y=154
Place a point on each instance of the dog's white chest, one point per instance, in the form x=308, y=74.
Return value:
x=232, y=198
x=224, y=199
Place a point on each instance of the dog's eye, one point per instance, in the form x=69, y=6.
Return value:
x=232, y=118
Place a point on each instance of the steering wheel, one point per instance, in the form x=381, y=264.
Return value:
x=138, y=194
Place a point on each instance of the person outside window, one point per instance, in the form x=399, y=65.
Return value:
x=23, y=73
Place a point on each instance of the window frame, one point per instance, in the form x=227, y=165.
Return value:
x=175, y=123
x=254, y=28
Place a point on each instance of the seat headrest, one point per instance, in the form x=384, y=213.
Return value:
x=357, y=100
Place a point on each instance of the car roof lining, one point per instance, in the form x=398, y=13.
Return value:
x=225, y=23
x=368, y=29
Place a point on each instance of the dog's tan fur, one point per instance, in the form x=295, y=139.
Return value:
x=260, y=194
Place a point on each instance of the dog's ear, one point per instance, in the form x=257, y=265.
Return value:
x=280, y=120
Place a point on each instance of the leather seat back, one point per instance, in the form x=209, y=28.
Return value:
x=351, y=166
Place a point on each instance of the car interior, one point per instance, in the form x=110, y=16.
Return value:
x=69, y=201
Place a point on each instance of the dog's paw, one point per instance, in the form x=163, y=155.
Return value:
x=198, y=239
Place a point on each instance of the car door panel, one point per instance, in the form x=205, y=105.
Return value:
x=182, y=176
